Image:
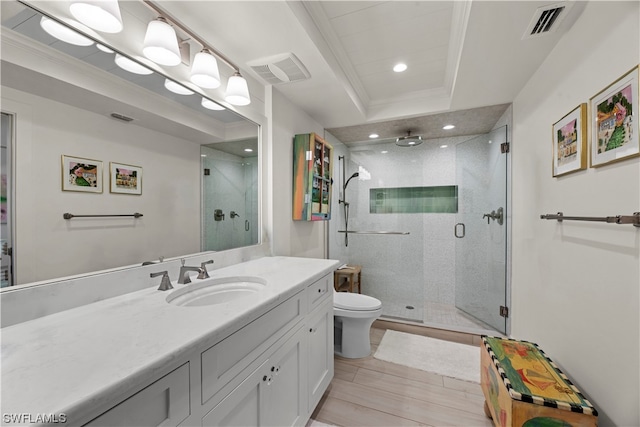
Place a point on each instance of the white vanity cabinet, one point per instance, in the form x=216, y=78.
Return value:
x=272, y=395
x=163, y=403
x=286, y=387
x=319, y=329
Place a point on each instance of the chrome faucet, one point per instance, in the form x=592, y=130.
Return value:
x=165, y=283
x=184, y=278
x=204, y=274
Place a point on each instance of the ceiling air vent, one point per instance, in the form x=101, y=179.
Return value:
x=122, y=117
x=546, y=19
x=283, y=68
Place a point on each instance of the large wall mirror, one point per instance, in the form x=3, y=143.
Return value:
x=67, y=107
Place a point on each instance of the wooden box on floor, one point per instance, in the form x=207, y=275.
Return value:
x=523, y=387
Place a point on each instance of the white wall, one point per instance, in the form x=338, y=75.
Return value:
x=290, y=238
x=49, y=246
x=575, y=285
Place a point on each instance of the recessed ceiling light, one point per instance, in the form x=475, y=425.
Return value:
x=373, y=135
x=444, y=146
x=203, y=155
x=384, y=152
x=398, y=68
x=248, y=150
x=447, y=127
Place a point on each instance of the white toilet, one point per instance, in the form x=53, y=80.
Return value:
x=353, y=315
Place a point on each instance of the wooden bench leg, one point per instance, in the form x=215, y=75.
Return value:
x=487, y=412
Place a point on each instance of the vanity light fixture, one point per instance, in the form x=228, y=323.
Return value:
x=131, y=66
x=174, y=87
x=161, y=43
x=448, y=127
x=384, y=152
x=204, y=70
x=374, y=136
x=104, y=48
x=248, y=150
x=64, y=33
x=237, y=90
x=444, y=146
x=209, y=104
x=101, y=15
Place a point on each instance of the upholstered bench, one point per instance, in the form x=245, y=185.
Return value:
x=523, y=387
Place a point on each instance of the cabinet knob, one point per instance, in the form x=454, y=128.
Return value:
x=264, y=378
x=319, y=291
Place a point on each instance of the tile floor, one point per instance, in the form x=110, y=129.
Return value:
x=371, y=392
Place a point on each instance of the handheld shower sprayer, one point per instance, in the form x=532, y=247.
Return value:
x=355, y=175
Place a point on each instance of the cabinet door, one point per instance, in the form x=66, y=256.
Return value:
x=286, y=401
x=273, y=395
x=243, y=406
x=163, y=403
x=319, y=329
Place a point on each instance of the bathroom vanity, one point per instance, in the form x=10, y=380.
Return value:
x=263, y=358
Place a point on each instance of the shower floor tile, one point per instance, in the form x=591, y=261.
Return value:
x=448, y=315
x=399, y=310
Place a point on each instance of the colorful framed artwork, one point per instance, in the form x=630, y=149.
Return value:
x=570, y=142
x=80, y=174
x=614, y=121
x=125, y=179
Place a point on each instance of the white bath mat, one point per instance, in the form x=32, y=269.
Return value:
x=445, y=358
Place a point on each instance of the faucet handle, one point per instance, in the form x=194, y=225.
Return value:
x=204, y=274
x=165, y=283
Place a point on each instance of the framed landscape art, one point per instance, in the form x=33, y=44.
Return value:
x=79, y=174
x=125, y=179
x=614, y=121
x=569, y=138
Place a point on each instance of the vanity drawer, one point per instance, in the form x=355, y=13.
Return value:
x=163, y=403
x=318, y=290
x=229, y=357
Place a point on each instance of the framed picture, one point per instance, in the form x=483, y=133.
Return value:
x=125, y=179
x=80, y=174
x=614, y=121
x=570, y=142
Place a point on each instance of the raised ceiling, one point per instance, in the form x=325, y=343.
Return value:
x=461, y=55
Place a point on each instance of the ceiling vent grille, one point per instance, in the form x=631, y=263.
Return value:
x=121, y=117
x=283, y=68
x=546, y=20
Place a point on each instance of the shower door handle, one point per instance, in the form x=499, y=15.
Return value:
x=246, y=225
x=455, y=230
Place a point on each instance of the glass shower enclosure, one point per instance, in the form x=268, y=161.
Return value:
x=429, y=229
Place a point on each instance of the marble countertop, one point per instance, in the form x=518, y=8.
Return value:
x=77, y=360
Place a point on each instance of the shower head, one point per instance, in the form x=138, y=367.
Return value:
x=408, y=140
x=356, y=174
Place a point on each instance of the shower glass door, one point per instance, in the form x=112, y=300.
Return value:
x=481, y=228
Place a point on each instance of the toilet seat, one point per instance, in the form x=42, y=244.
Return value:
x=355, y=302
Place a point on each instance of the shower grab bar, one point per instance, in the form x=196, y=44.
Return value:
x=69, y=216
x=619, y=219
x=374, y=232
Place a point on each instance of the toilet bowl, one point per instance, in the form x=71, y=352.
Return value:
x=353, y=315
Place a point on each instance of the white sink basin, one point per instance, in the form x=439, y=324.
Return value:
x=215, y=291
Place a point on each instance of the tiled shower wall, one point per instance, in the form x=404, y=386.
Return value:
x=230, y=186
x=401, y=270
